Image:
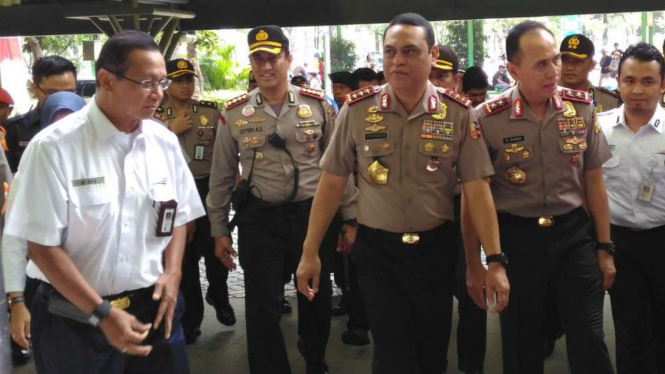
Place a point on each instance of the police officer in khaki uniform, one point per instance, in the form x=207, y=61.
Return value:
x=577, y=62
x=472, y=322
x=277, y=133
x=195, y=123
x=548, y=151
x=409, y=141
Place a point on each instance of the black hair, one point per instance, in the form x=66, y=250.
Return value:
x=474, y=78
x=414, y=19
x=364, y=74
x=644, y=52
x=115, y=53
x=513, y=38
x=380, y=76
x=51, y=65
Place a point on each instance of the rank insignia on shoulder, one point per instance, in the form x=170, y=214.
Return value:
x=236, y=101
x=362, y=93
x=496, y=106
x=160, y=116
x=574, y=95
x=455, y=96
x=208, y=104
x=160, y=109
x=310, y=92
x=613, y=93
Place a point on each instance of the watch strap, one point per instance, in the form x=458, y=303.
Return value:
x=101, y=312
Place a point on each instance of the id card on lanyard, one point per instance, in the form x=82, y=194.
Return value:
x=166, y=218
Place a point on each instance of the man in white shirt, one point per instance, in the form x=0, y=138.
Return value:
x=635, y=181
x=103, y=199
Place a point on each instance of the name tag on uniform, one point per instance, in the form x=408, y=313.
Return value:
x=646, y=190
x=88, y=182
x=199, y=151
x=166, y=218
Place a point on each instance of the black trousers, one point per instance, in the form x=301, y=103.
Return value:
x=638, y=300
x=408, y=292
x=346, y=277
x=560, y=261
x=216, y=273
x=270, y=239
x=65, y=346
x=472, y=322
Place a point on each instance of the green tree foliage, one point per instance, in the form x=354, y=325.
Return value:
x=343, y=54
x=220, y=69
x=456, y=37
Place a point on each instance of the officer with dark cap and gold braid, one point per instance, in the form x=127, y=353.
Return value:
x=195, y=123
x=278, y=133
x=577, y=62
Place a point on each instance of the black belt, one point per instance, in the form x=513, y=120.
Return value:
x=288, y=208
x=653, y=230
x=121, y=300
x=401, y=237
x=542, y=221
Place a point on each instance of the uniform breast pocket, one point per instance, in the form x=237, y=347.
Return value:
x=91, y=205
x=434, y=158
x=163, y=200
x=379, y=151
x=613, y=180
x=309, y=138
x=573, y=144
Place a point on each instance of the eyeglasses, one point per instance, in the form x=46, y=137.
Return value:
x=51, y=92
x=147, y=84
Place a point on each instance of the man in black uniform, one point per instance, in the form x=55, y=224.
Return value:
x=50, y=74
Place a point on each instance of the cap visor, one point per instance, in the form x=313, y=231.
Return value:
x=443, y=67
x=274, y=50
x=576, y=55
x=180, y=73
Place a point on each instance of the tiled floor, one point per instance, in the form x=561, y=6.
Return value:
x=222, y=350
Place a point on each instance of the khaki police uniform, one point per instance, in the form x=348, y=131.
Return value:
x=539, y=193
x=197, y=143
x=272, y=229
x=408, y=166
x=603, y=99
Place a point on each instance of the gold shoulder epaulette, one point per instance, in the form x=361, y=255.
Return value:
x=453, y=95
x=208, y=104
x=362, y=94
x=574, y=95
x=497, y=105
x=236, y=101
x=613, y=93
x=310, y=92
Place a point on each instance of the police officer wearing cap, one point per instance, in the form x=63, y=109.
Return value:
x=277, y=133
x=635, y=176
x=547, y=151
x=472, y=322
x=577, y=62
x=410, y=142
x=445, y=68
x=195, y=123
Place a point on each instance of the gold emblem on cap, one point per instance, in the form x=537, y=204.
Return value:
x=569, y=109
x=261, y=36
x=304, y=111
x=573, y=43
x=204, y=121
x=181, y=65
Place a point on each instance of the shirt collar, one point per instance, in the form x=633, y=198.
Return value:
x=103, y=129
x=429, y=103
x=657, y=121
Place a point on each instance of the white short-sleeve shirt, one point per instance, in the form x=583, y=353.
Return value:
x=637, y=158
x=95, y=191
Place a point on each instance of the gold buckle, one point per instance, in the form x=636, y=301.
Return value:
x=546, y=221
x=121, y=303
x=411, y=238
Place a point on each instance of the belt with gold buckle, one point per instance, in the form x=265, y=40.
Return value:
x=546, y=221
x=121, y=303
x=411, y=238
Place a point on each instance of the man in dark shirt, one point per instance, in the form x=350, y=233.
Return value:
x=50, y=74
x=500, y=81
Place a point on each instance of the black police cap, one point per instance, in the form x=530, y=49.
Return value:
x=179, y=67
x=268, y=38
x=578, y=46
x=447, y=59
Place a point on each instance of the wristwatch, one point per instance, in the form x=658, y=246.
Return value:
x=501, y=258
x=101, y=312
x=351, y=222
x=607, y=247
x=14, y=300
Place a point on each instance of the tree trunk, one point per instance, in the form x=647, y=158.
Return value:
x=192, y=54
x=605, y=26
x=35, y=48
